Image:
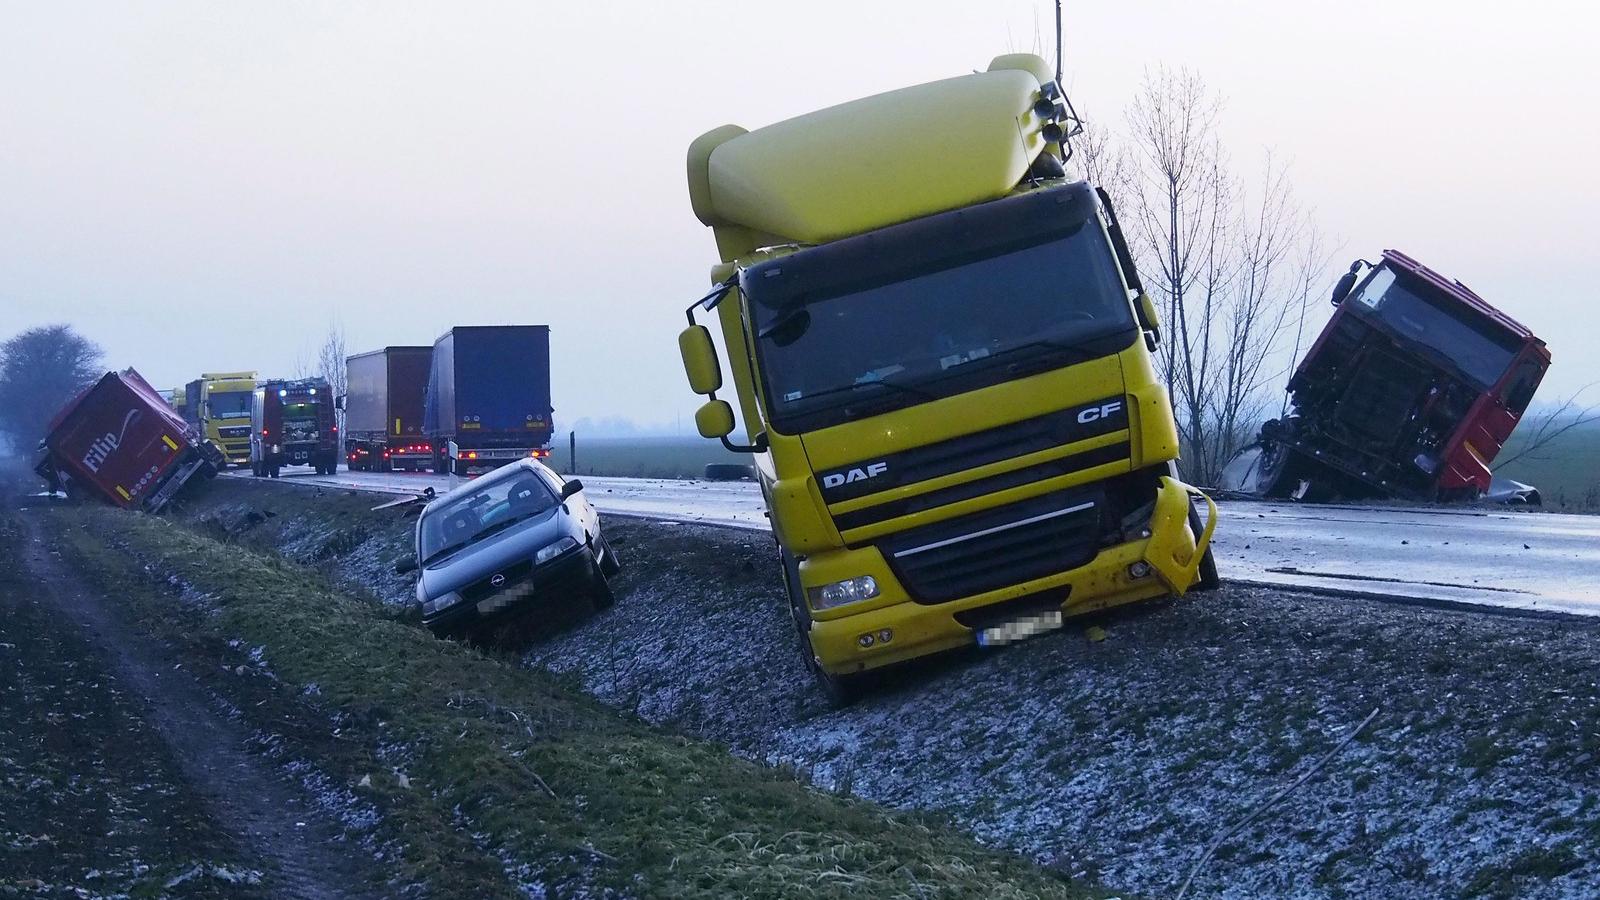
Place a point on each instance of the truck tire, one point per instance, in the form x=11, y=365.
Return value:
x=728, y=472
x=272, y=470
x=839, y=690
x=1209, y=579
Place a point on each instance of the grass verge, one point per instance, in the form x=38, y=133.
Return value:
x=482, y=759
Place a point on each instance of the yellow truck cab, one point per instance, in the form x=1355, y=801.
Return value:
x=943, y=360
x=218, y=405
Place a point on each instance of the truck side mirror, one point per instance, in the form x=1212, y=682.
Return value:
x=714, y=419
x=1148, y=320
x=571, y=487
x=1347, y=281
x=1342, y=289
x=700, y=362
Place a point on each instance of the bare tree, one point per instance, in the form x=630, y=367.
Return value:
x=40, y=370
x=1555, y=421
x=1231, y=266
x=330, y=364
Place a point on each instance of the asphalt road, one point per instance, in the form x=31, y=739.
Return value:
x=1513, y=559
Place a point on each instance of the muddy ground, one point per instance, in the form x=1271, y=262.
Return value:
x=196, y=719
x=1122, y=759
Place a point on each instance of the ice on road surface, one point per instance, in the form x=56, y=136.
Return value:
x=1513, y=559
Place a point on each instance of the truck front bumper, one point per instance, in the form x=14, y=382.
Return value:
x=890, y=630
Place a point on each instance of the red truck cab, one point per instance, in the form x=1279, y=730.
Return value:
x=1411, y=390
x=121, y=440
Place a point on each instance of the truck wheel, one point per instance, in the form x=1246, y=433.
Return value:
x=840, y=690
x=728, y=472
x=272, y=470
x=1209, y=579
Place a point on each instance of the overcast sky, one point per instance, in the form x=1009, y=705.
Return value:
x=207, y=186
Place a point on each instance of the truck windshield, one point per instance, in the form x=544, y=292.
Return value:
x=495, y=503
x=956, y=323
x=1474, y=346
x=229, y=404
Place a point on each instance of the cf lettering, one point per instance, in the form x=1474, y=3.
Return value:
x=1096, y=413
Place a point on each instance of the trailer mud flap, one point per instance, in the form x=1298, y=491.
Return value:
x=1174, y=552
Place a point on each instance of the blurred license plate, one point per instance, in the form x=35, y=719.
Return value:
x=1020, y=629
x=494, y=604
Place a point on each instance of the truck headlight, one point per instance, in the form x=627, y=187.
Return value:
x=555, y=550
x=441, y=602
x=851, y=590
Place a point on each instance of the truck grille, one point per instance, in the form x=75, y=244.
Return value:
x=1055, y=468
x=1382, y=396
x=234, y=431
x=969, y=451
x=997, y=547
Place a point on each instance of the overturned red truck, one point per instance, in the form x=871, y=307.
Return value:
x=119, y=440
x=1411, y=390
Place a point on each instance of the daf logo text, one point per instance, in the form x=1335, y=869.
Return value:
x=839, y=479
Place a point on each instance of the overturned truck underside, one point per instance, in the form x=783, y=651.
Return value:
x=1410, y=392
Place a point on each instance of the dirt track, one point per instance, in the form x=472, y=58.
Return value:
x=172, y=761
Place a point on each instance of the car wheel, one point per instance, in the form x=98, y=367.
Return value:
x=610, y=567
x=601, y=596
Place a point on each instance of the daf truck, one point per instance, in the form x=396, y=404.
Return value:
x=383, y=410
x=121, y=441
x=1410, y=391
x=218, y=405
x=943, y=362
x=489, y=397
x=292, y=423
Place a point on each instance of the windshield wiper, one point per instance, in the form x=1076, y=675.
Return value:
x=1076, y=349
x=884, y=382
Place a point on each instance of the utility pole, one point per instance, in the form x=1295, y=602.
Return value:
x=1058, y=41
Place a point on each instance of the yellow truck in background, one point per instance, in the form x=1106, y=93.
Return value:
x=943, y=362
x=217, y=404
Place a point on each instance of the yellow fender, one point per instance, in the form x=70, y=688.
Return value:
x=1175, y=552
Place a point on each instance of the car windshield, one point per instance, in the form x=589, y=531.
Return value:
x=1478, y=349
x=494, y=503
x=229, y=404
x=919, y=334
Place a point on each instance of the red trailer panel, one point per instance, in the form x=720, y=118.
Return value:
x=120, y=439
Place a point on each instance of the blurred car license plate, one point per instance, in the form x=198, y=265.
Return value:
x=1020, y=629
